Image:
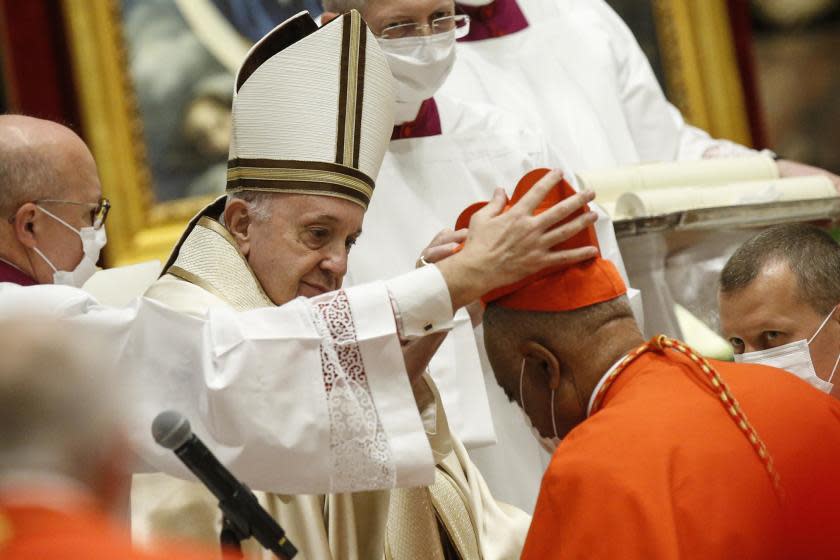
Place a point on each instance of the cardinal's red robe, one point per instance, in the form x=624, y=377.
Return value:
x=663, y=471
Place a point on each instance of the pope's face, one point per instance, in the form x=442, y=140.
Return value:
x=380, y=14
x=302, y=249
x=770, y=312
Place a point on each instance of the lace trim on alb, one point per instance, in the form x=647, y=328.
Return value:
x=361, y=456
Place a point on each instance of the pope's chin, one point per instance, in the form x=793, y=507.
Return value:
x=307, y=290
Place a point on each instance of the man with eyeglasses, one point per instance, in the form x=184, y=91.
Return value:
x=443, y=154
x=53, y=204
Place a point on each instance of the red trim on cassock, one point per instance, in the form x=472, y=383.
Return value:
x=427, y=123
x=8, y=273
x=497, y=19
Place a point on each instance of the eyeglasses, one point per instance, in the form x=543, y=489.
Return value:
x=459, y=23
x=98, y=210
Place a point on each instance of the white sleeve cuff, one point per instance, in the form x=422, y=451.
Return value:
x=422, y=304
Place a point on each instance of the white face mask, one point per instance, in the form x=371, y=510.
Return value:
x=420, y=65
x=794, y=357
x=93, y=240
x=547, y=443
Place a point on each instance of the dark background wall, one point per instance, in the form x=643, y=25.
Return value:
x=798, y=63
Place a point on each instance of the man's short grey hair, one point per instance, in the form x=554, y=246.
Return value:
x=811, y=253
x=59, y=404
x=26, y=174
x=343, y=6
x=258, y=203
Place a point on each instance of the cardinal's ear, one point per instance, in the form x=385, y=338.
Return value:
x=549, y=365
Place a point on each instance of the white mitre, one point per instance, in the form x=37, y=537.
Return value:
x=312, y=111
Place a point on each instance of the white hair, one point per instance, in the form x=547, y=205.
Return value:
x=258, y=203
x=59, y=403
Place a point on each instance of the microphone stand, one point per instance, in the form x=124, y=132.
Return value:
x=236, y=529
x=242, y=515
x=231, y=540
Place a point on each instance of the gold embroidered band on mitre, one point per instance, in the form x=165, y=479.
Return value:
x=299, y=177
x=209, y=258
x=351, y=90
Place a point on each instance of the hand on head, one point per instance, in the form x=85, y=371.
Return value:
x=505, y=247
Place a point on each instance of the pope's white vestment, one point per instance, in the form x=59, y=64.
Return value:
x=251, y=383
x=167, y=507
x=424, y=184
x=577, y=73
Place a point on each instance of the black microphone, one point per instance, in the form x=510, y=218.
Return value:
x=238, y=504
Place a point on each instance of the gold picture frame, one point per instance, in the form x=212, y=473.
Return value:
x=699, y=61
x=140, y=228
x=701, y=67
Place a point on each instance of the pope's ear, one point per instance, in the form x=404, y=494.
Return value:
x=327, y=17
x=550, y=365
x=238, y=222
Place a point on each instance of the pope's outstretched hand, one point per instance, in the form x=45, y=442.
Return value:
x=503, y=247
